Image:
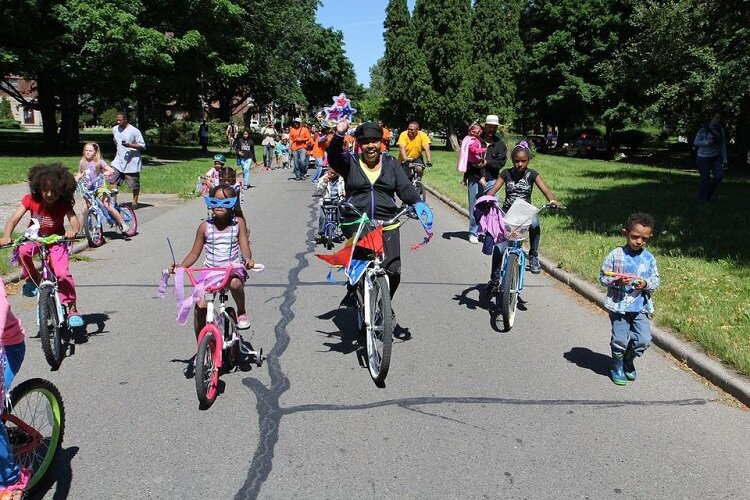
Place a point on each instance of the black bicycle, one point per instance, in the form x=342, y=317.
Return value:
x=416, y=178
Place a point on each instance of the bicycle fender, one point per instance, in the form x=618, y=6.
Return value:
x=219, y=342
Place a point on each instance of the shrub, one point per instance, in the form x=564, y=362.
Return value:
x=6, y=113
x=9, y=124
x=185, y=133
x=108, y=117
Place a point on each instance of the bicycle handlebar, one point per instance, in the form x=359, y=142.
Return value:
x=404, y=210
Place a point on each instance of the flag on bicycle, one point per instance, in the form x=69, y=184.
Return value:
x=354, y=257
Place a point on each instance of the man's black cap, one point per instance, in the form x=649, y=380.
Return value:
x=369, y=130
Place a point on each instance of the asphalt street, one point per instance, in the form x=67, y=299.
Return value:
x=467, y=411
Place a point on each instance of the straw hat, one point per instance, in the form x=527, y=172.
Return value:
x=492, y=120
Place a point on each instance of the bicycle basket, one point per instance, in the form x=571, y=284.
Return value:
x=518, y=219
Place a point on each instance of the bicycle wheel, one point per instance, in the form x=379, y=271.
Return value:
x=421, y=190
x=330, y=229
x=509, y=293
x=206, y=371
x=50, y=329
x=93, y=228
x=36, y=425
x=380, y=333
x=128, y=215
x=230, y=358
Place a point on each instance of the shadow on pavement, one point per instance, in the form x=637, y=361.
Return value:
x=60, y=476
x=461, y=235
x=586, y=358
x=347, y=338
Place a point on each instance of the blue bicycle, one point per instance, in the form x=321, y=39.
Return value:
x=331, y=231
x=517, y=223
x=97, y=213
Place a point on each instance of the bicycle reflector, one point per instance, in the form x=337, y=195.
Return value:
x=212, y=202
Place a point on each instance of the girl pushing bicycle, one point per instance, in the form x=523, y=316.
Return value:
x=91, y=172
x=51, y=200
x=519, y=181
x=13, y=479
x=224, y=237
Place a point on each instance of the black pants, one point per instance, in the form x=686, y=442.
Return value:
x=392, y=262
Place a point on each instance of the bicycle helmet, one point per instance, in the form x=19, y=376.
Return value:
x=220, y=158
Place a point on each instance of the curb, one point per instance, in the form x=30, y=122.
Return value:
x=713, y=370
x=16, y=275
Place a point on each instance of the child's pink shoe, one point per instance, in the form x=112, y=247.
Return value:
x=243, y=322
x=15, y=491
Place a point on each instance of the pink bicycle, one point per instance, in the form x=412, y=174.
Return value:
x=220, y=346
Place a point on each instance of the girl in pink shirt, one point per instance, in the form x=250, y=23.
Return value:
x=13, y=479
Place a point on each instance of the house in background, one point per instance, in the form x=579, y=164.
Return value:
x=12, y=87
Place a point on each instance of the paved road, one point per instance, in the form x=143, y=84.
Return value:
x=467, y=412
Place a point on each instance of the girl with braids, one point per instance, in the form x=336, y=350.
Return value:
x=51, y=200
x=224, y=238
x=519, y=182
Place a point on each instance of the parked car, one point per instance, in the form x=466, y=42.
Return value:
x=590, y=145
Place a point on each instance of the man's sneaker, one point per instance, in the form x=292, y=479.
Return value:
x=534, y=265
x=628, y=366
x=243, y=322
x=29, y=289
x=349, y=301
x=493, y=286
x=473, y=239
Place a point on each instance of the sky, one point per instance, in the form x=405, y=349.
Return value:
x=361, y=21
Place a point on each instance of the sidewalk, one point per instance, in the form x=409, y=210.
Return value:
x=685, y=352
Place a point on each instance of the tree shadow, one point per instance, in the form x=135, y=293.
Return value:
x=586, y=358
x=684, y=227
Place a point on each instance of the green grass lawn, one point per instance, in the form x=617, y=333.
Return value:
x=702, y=249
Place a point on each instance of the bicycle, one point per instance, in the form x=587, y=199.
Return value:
x=34, y=416
x=332, y=219
x=374, y=313
x=219, y=343
x=97, y=213
x=52, y=314
x=513, y=268
x=415, y=178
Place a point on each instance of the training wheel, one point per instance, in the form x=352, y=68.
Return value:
x=260, y=358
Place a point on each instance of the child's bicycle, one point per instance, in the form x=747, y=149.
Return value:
x=374, y=313
x=331, y=226
x=517, y=223
x=34, y=416
x=52, y=314
x=97, y=214
x=220, y=346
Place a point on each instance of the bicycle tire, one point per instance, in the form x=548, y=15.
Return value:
x=231, y=355
x=93, y=228
x=329, y=236
x=509, y=292
x=128, y=215
x=50, y=329
x=39, y=404
x=206, y=371
x=379, y=337
x=421, y=190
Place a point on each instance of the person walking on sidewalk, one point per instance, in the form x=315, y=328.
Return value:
x=268, y=142
x=127, y=163
x=300, y=137
x=630, y=274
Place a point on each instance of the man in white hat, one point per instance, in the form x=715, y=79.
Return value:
x=494, y=160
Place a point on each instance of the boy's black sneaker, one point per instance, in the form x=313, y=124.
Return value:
x=534, y=265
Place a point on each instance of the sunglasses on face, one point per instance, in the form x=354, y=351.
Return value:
x=212, y=202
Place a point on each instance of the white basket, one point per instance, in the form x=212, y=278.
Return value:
x=518, y=219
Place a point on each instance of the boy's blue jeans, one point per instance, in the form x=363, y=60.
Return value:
x=632, y=329
x=9, y=470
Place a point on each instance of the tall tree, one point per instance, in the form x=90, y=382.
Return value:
x=443, y=30
x=408, y=88
x=497, y=57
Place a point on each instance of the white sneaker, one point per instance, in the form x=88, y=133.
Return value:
x=473, y=239
x=125, y=227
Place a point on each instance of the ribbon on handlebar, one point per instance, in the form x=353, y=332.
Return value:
x=425, y=217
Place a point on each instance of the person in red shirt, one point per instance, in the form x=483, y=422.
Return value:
x=300, y=137
x=51, y=200
x=386, y=143
x=320, y=143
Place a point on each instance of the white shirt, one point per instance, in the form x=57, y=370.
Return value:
x=127, y=160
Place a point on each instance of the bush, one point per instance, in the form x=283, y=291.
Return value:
x=10, y=124
x=108, y=117
x=185, y=133
x=6, y=113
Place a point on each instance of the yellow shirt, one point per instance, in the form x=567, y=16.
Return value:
x=371, y=173
x=414, y=147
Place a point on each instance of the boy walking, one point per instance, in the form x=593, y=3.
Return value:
x=631, y=276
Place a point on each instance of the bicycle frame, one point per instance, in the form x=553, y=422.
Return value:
x=92, y=201
x=514, y=247
x=35, y=437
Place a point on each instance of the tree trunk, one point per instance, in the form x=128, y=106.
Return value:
x=452, y=140
x=141, y=112
x=742, y=139
x=69, y=118
x=46, y=102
